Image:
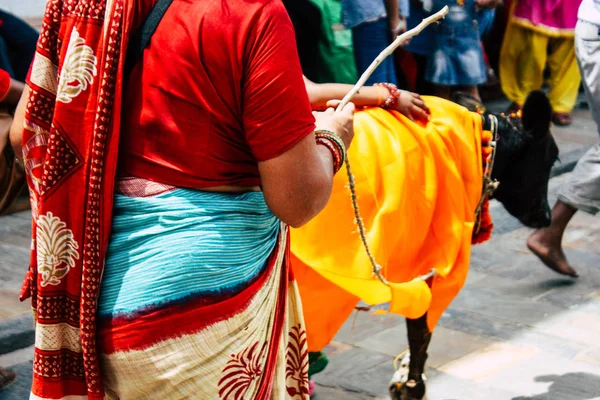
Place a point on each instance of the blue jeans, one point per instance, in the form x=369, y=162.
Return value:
x=457, y=57
x=370, y=38
x=17, y=45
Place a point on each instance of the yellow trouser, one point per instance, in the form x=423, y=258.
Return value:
x=524, y=55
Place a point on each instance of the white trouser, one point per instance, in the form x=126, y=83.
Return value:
x=583, y=189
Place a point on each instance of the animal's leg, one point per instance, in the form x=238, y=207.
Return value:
x=408, y=382
x=419, y=337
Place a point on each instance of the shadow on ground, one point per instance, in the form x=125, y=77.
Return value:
x=571, y=386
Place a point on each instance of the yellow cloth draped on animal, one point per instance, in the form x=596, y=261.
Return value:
x=418, y=187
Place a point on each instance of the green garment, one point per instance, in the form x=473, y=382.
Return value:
x=336, y=54
x=317, y=362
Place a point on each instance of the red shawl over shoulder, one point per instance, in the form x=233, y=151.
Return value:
x=69, y=143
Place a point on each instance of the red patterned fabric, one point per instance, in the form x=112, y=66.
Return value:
x=70, y=144
x=223, y=99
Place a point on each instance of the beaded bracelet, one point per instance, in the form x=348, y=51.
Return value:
x=336, y=146
x=391, y=101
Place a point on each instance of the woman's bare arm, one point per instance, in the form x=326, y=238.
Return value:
x=297, y=184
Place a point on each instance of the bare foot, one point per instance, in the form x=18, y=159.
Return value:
x=549, y=253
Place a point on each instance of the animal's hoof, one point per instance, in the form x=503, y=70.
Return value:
x=415, y=390
x=410, y=390
x=401, y=388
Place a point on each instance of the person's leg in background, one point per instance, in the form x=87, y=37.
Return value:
x=472, y=91
x=522, y=62
x=442, y=91
x=494, y=40
x=370, y=38
x=564, y=79
x=582, y=192
x=486, y=23
x=21, y=40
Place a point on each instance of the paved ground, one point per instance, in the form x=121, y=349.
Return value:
x=516, y=332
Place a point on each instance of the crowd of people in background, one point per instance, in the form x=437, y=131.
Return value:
x=461, y=53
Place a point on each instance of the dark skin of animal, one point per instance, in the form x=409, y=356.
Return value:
x=526, y=153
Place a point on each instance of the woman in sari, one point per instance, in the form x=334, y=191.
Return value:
x=160, y=259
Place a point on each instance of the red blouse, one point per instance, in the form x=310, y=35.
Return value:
x=219, y=89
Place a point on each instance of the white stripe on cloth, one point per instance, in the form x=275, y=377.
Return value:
x=53, y=337
x=44, y=74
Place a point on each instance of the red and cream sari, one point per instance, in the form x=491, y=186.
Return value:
x=70, y=144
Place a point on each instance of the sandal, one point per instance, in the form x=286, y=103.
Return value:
x=7, y=377
x=562, y=119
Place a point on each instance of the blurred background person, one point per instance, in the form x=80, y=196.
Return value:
x=374, y=24
x=457, y=58
x=324, y=44
x=582, y=191
x=540, y=35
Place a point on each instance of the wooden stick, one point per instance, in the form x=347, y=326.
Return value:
x=389, y=50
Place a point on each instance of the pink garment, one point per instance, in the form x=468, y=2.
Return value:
x=548, y=15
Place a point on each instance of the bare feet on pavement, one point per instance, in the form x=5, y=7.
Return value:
x=544, y=244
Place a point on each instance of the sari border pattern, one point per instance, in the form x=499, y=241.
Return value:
x=71, y=139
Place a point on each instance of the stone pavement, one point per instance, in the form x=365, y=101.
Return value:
x=517, y=331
